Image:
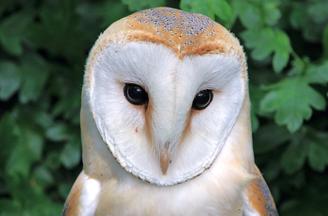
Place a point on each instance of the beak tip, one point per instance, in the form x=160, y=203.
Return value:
x=164, y=162
x=164, y=171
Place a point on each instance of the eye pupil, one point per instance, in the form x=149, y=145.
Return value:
x=202, y=99
x=135, y=94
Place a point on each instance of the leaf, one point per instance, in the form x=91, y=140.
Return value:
x=258, y=14
x=325, y=40
x=256, y=95
x=308, y=21
x=271, y=12
x=261, y=41
x=318, y=156
x=280, y=59
x=10, y=79
x=53, y=160
x=34, y=75
x=64, y=189
x=43, y=119
x=117, y=11
x=43, y=176
x=9, y=207
x=197, y=6
x=254, y=121
x=317, y=10
x=223, y=10
x=282, y=50
x=211, y=8
x=12, y=31
x=57, y=132
x=318, y=73
x=250, y=14
x=266, y=41
x=71, y=155
x=61, y=32
x=291, y=100
x=26, y=151
x=269, y=137
x=139, y=5
x=318, y=151
x=294, y=157
x=8, y=134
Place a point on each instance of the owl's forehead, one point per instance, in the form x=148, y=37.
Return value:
x=185, y=33
x=176, y=29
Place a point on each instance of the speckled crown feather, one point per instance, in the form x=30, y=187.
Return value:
x=183, y=32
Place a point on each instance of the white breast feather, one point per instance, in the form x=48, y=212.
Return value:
x=89, y=196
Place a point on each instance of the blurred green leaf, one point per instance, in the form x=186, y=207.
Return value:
x=271, y=12
x=8, y=131
x=318, y=150
x=139, y=5
x=256, y=95
x=269, y=137
x=12, y=31
x=318, y=73
x=199, y=6
x=58, y=132
x=10, y=79
x=34, y=75
x=265, y=41
x=317, y=10
x=250, y=14
x=224, y=11
x=211, y=8
x=24, y=153
x=282, y=49
x=294, y=157
x=325, y=41
x=309, y=17
x=43, y=176
x=292, y=100
x=71, y=155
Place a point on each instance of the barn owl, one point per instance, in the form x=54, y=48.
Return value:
x=165, y=121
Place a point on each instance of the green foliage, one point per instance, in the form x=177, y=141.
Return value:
x=292, y=100
x=211, y=8
x=134, y=5
x=43, y=48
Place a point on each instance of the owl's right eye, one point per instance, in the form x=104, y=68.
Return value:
x=135, y=94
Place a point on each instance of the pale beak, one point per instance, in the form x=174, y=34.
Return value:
x=164, y=161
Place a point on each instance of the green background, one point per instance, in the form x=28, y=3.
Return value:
x=43, y=48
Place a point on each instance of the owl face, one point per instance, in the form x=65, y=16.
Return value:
x=164, y=113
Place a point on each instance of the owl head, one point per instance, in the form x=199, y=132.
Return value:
x=163, y=90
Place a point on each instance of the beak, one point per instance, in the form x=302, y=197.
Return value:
x=164, y=161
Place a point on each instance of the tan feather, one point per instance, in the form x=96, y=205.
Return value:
x=72, y=204
x=259, y=197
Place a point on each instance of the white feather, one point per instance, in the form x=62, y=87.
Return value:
x=89, y=196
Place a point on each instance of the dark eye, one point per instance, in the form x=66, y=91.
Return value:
x=135, y=94
x=202, y=99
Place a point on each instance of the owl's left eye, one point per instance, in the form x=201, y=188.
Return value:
x=202, y=99
x=135, y=94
